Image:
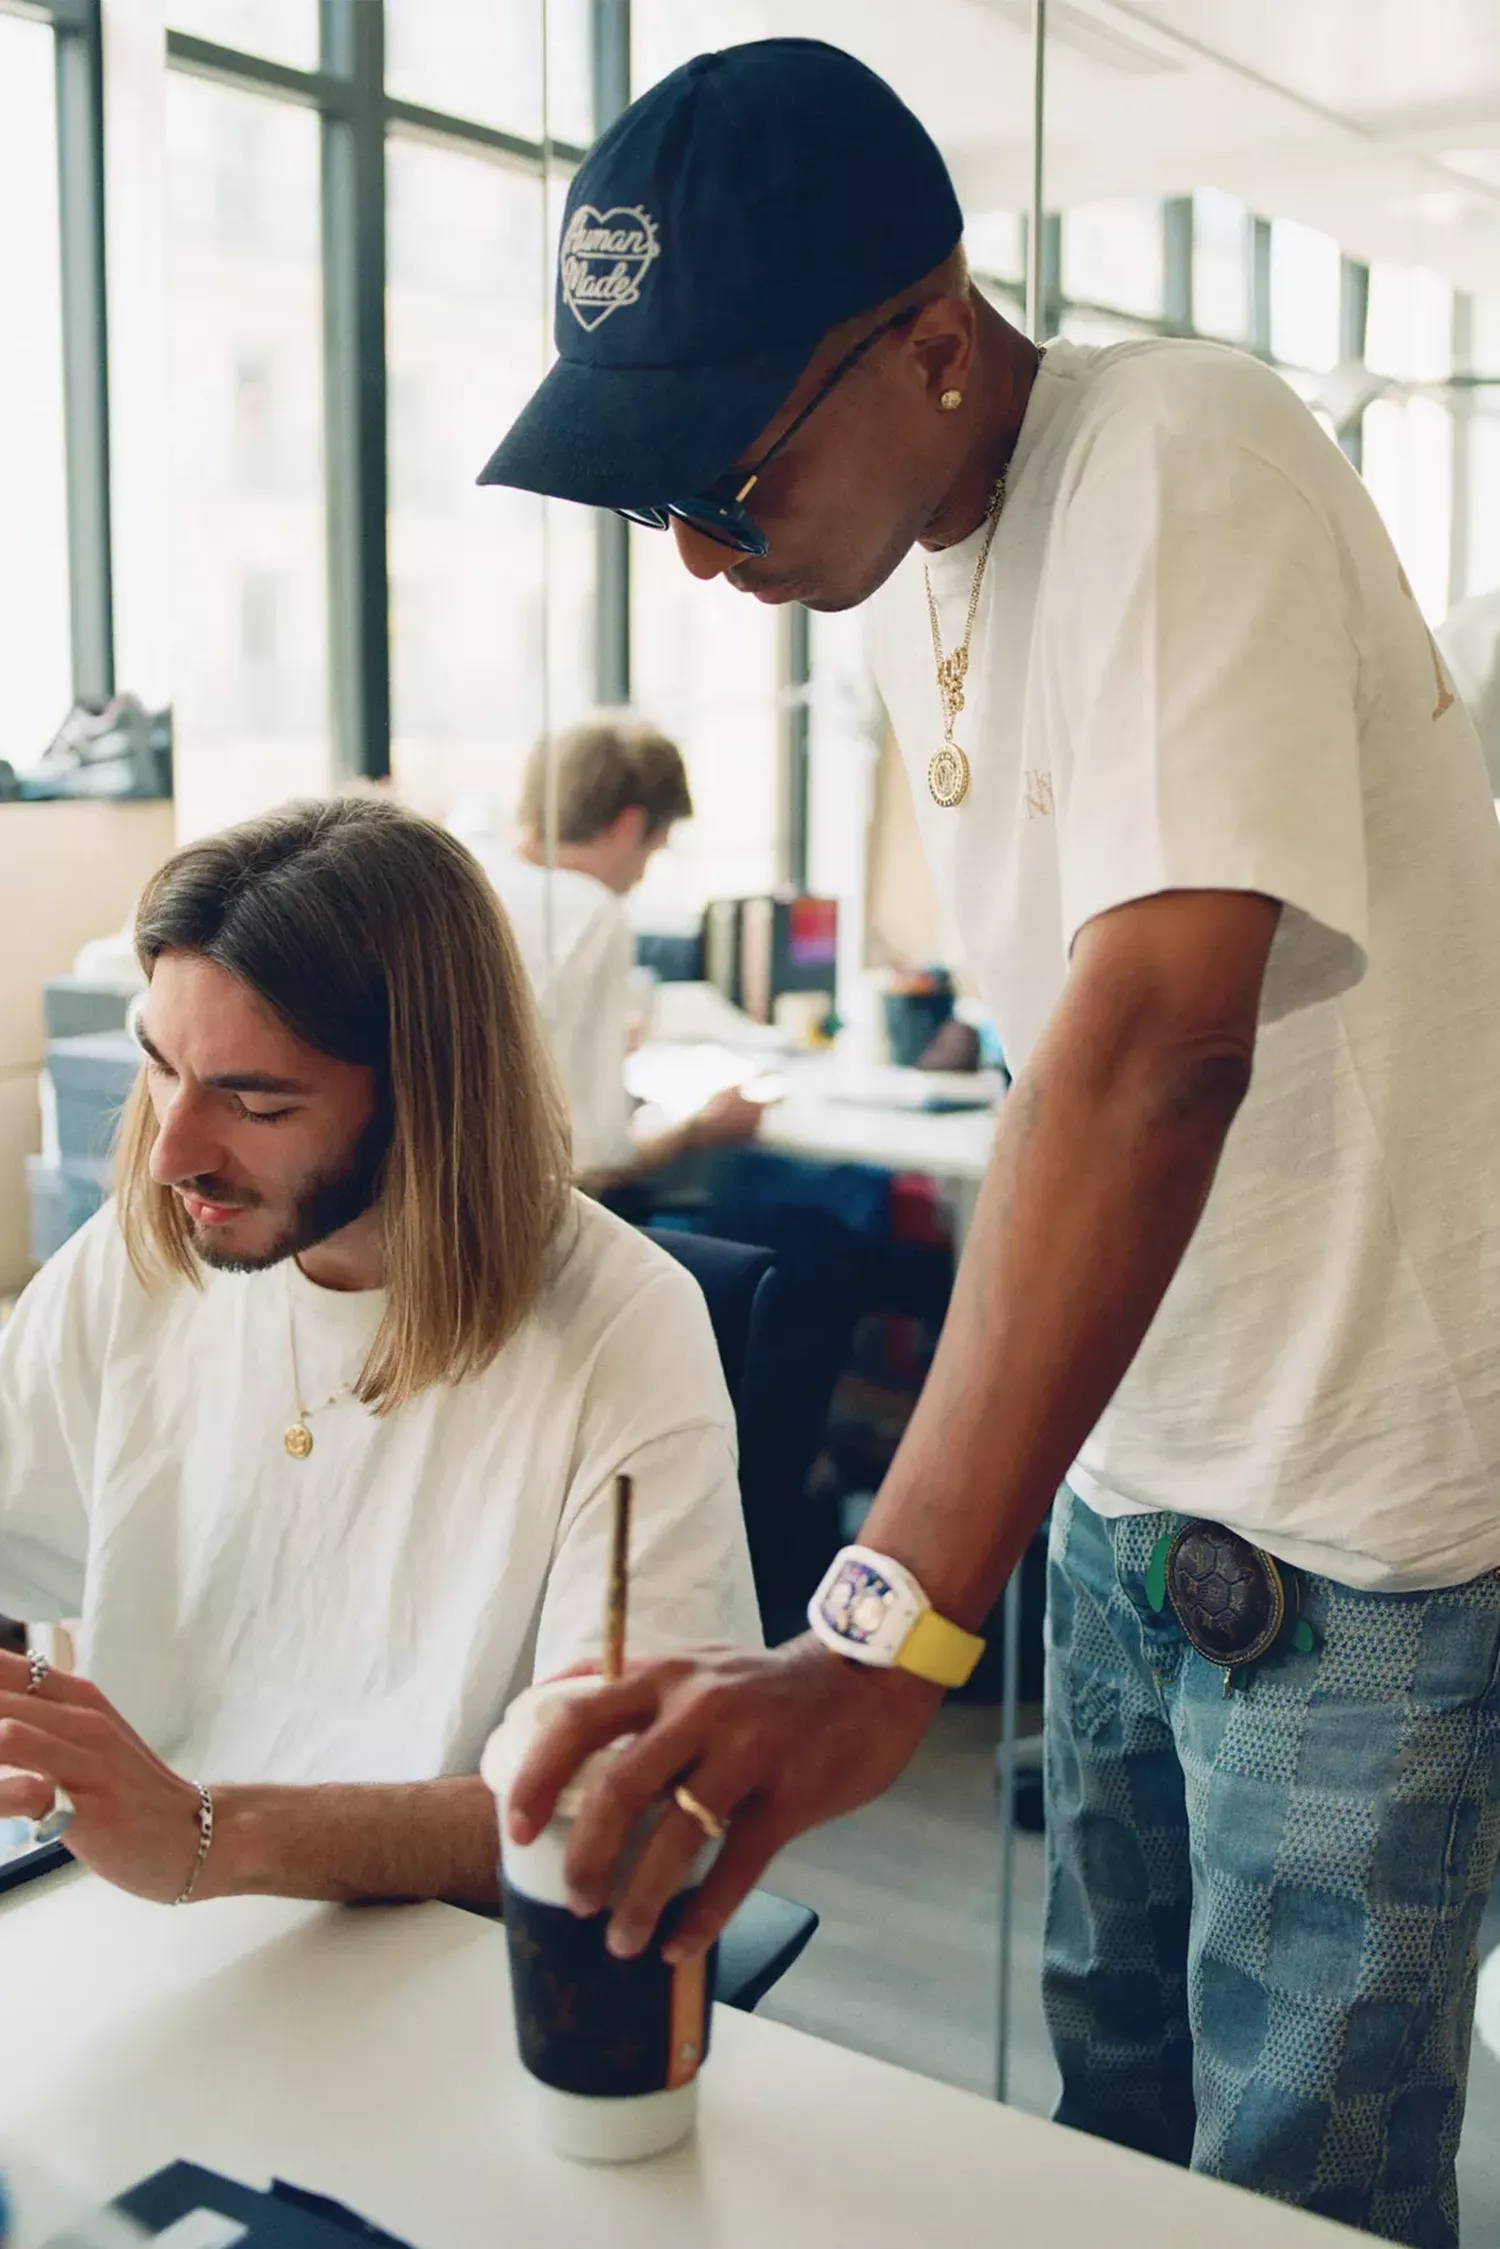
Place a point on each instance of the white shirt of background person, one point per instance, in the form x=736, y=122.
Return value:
x=620, y=786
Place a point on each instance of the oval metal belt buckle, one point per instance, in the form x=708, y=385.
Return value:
x=1228, y=1596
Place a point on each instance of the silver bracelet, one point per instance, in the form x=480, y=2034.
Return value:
x=205, y=1837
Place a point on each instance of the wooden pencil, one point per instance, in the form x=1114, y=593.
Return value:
x=617, y=1601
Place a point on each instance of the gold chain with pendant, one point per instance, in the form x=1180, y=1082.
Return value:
x=298, y=1439
x=948, y=768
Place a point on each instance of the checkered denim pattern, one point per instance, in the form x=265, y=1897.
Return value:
x=1263, y=1909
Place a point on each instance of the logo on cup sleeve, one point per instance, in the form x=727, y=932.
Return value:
x=604, y=259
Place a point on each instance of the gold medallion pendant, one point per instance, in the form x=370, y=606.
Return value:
x=948, y=776
x=298, y=1440
x=948, y=768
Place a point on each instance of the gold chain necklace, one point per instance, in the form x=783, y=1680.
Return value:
x=948, y=768
x=298, y=1440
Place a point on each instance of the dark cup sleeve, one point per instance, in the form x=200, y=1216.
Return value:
x=589, y=2023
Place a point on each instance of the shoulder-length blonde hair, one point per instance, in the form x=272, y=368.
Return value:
x=375, y=938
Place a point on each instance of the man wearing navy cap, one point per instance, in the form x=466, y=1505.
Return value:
x=1219, y=840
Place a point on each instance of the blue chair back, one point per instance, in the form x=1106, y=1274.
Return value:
x=732, y=1276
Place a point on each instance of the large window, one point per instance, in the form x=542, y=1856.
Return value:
x=35, y=661
x=282, y=30
x=483, y=59
x=1112, y=254
x=1222, y=266
x=1305, y=296
x=248, y=548
x=358, y=245
x=705, y=663
x=491, y=591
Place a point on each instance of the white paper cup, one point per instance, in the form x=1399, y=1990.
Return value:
x=611, y=2048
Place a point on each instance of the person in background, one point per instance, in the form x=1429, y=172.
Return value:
x=1469, y=637
x=1219, y=840
x=621, y=786
x=317, y=1426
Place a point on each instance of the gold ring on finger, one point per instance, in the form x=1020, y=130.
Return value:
x=714, y=1829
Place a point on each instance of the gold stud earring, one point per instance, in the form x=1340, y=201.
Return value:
x=951, y=400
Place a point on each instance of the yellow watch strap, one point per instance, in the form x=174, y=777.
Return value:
x=937, y=1650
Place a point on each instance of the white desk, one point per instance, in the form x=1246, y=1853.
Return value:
x=952, y=1147
x=368, y=2054
x=817, y=1123
x=815, y=1120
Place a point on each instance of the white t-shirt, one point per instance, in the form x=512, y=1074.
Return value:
x=364, y=1614
x=1469, y=637
x=1197, y=665
x=585, y=1002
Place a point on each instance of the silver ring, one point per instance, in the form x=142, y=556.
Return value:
x=56, y=1822
x=40, y=1669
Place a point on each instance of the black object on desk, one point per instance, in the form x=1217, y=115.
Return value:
x=287, y=2217
x=30, y=1865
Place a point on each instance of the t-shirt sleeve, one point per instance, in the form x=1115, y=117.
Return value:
x=592, y=1011
x=1207, y=684
x=658, y=1411
x=48, y=1411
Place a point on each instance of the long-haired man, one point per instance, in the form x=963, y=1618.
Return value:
x=316, y=1427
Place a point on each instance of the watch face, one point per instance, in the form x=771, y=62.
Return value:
x=858, y=1602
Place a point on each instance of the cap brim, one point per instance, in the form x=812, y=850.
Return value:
x=636, y=437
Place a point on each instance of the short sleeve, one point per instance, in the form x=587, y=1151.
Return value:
x=1207, y=683
x=690, y=1577
x=587, y=1022
x=48, y=1410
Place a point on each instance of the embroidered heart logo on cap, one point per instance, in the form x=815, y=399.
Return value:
x=604, y=259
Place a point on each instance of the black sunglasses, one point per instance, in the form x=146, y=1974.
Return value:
x=727, y=520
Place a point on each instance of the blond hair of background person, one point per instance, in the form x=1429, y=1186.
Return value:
x=621, y=787
x=343, y=1210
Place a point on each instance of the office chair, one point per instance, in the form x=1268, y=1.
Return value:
x=769, y=1933
x=732, y=1276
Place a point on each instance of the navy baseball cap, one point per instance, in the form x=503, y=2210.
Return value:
x=713, y=235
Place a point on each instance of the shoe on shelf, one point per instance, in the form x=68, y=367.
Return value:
x=114, y=748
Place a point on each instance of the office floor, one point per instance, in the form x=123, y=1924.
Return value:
x=904, y=1965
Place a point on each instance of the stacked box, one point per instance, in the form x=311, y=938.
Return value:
x=72, y=1007
x=90, y=1078
x=63, y=1198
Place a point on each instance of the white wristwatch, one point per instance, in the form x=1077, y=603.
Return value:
x=872, y=1610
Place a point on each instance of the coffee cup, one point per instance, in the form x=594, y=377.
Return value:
x=611, y=2048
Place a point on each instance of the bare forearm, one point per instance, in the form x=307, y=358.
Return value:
x=427, y=1839
x=1101, y=1170
x=651, y=1153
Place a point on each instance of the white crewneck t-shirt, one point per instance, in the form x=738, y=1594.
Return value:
x=364, y=1614
x=1197, y=664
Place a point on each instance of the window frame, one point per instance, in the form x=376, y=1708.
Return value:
x=356, y=116
x=1179, y=249
x=79, y=79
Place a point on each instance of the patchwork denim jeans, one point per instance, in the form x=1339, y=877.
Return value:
x=1263, y=1908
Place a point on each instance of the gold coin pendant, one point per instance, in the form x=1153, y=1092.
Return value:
x=948, y=776
x=298, y=1440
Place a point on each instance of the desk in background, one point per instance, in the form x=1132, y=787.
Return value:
x=831, y=1112
x=367, y=2053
